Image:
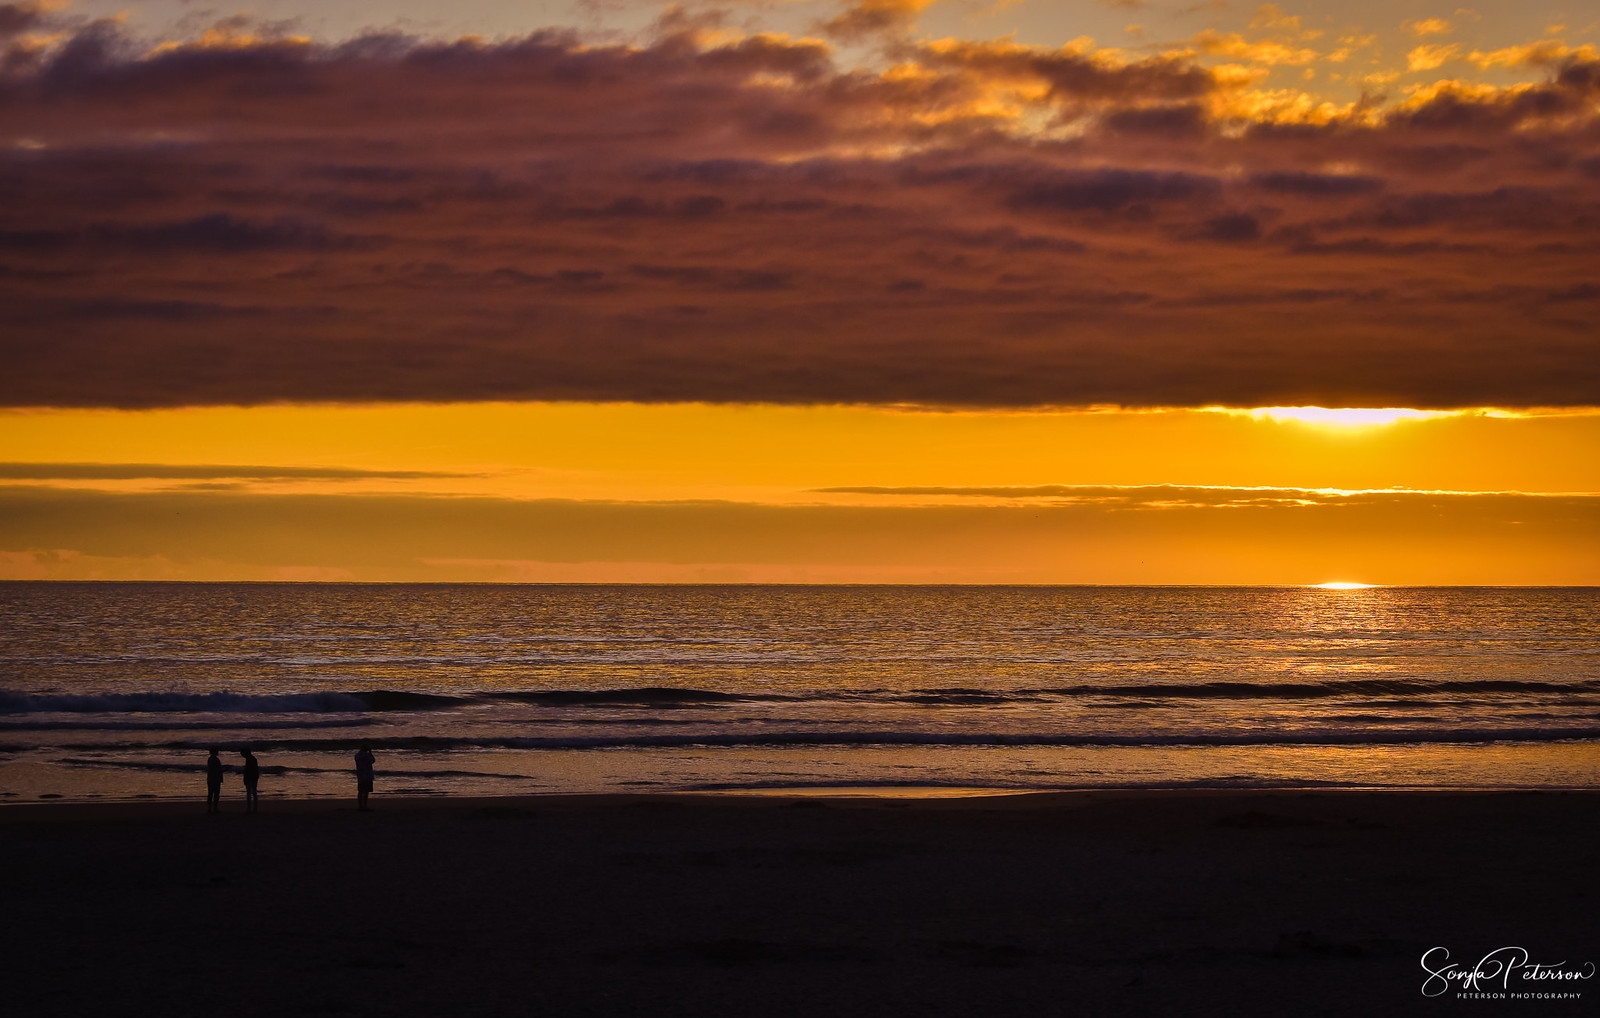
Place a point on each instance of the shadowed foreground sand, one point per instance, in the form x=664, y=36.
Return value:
x=1073, y=903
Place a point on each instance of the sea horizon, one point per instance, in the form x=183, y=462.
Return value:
x=758, y=583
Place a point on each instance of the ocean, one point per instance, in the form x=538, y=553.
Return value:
x=116, y=690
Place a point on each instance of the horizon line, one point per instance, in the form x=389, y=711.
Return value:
x=800, y=583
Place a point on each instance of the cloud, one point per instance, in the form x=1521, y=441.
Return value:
x=251, y=217
x=1431, y=56
x=869, y=18
x=16, y=18
x=163, y=471
x=1109, y=190
x=1264, y=51
x=1068, y=74
x=1429, y=26
x=1184, y=119
x=1314, y=184
x=1232, y=228
x=1271, y=16
x=1167, y=496
x=1545, y=53
x=217, y=233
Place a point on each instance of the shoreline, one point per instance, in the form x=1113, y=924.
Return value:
x=898, y=797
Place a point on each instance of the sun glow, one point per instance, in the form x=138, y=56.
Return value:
x=1345, y=417
x=1337, y=585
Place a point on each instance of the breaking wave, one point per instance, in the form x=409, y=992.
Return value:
x=782, y=739
x=221, y=702
x=667, y=697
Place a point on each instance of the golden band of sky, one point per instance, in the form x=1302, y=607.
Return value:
x=770, y=493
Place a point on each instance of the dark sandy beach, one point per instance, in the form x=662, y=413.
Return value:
x=1155, y=903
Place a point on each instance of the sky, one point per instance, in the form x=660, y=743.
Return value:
x=892, y=291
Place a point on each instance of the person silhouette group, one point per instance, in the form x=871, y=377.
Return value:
x=251, y=771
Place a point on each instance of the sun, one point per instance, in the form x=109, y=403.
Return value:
x=1345, y=417
x=1342, y=585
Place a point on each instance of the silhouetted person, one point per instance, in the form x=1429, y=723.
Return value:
x=213, y=783
x=363, y=777
x=252, y=775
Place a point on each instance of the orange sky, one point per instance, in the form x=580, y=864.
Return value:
x=691, y=493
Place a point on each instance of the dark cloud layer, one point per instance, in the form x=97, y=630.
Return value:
x=257, y=218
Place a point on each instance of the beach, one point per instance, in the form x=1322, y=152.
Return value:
x=1166, y=902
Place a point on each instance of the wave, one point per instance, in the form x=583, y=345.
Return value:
x=221, y=702
x=814, y=739
x=168, y=725
x=991, y=783
x=1331, y=687
x=346, y=701
x=654, y=696
x=961, y=696
x=198, y=766
x=1142, y=694
x=668, y=697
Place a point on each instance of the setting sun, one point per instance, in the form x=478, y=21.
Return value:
x=1346, y=417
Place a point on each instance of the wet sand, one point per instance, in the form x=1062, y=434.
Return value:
x=1126, y=903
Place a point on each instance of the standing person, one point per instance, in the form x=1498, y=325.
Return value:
x=213, y=783
x=252, y=775
x=363, y=777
